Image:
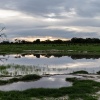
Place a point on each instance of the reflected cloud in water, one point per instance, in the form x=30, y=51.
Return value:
x=45, y=82
x=49, y=64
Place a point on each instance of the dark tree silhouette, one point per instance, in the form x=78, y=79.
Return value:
x=3, y=39
x=37, y=41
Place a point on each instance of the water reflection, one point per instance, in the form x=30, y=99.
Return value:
x=15, y=70
x=41, y=64
x=85, y=56
x=45, y=82
x=77, y=56
x=4, y=57
x=39, y=55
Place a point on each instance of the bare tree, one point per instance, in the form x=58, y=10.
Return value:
x=3, y=38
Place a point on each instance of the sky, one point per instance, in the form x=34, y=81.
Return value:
x=50, y=19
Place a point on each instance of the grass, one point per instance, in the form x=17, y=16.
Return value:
x=83, y=89
x=31, y=77
x=77, y=48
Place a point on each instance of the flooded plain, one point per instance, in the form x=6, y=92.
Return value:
x=48, y=64
x=57, y=65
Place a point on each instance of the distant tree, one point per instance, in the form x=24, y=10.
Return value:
x=48, y=41
x=87, y=40
x=37, y=41
x=17, y=41
x=58, y=41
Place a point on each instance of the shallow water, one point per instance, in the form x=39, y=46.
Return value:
x=56, y=81
x=49, y=64
x=45, y=64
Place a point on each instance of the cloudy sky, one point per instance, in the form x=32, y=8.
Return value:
x=50, y=19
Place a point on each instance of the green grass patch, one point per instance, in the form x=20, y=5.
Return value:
x=81, y=89
x=31, y=77
x=76, y=48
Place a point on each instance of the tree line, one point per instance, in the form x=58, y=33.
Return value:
x=59, y=41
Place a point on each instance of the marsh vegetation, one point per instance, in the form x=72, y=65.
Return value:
x=81, y=89
x=51, y=48
x=21, y=78
x=73, y=58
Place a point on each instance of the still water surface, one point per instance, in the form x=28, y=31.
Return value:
x=49, y=64
x=45, y=64
x=56, y=81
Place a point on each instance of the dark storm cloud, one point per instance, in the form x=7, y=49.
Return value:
x=82, y=7
x=32, y=6
x=85, y=8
